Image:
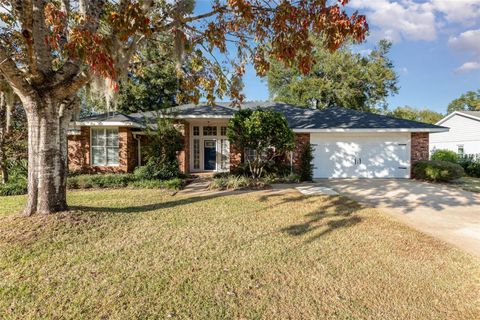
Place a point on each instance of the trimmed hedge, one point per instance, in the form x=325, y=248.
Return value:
x=437, y=171
x=87, y=181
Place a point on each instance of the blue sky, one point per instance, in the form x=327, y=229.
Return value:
x=436, y=48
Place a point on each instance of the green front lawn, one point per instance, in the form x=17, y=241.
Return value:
x=123, y=254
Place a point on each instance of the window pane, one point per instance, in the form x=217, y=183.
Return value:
x=223, y=131
x=196, y=154
x=98, y=156
x=112, y=156
x=196, y=131
x=209, y=131
x=112, y=137
x=250, y=154
x=98, y=137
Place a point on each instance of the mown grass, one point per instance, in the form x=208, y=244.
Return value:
x=252, y=255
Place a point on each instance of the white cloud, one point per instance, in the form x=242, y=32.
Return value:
x=468, y=67
x=398, y=20
x=403, y=20
x=467, y=42
x=465, y=12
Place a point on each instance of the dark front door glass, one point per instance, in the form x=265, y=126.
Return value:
x=209, y=154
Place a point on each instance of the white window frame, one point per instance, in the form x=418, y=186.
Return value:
x=106, y=153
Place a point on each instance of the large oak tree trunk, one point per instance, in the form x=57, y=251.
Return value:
x=47, y=157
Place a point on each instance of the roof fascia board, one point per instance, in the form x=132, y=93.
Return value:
x=106, y=124
x=457, y=113
x=371, y=130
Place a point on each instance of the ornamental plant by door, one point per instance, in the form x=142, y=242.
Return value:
x=264, y=133
x=165, y=141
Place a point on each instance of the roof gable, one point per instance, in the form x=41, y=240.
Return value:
x=475, y=115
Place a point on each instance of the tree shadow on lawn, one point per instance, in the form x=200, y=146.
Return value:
x=342, y=207
x=175, y=202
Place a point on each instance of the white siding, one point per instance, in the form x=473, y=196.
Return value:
x=463, y=131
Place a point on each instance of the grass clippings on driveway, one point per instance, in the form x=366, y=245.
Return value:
x=250, y=255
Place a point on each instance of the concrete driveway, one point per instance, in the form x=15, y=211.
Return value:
x=450, y=214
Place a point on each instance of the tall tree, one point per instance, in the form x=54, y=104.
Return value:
x=341, y=78
x=422, y=115
x=49, y=50
x=469, y=101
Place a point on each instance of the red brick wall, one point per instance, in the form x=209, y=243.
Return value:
x=235, y=156
x=79, y=152
x=420, y=146
x=301, y=139
x=184, y=155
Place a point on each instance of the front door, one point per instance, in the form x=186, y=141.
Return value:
x=210, y=154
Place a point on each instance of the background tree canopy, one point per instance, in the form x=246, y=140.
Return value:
x=422, y=115
x=342, y=78
x=469, y=101
x=151, y=83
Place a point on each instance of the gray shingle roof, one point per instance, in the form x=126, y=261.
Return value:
x=472, y=113
x=297, y=117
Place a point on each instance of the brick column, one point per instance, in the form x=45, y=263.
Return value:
x=184, y=156
x=419, y=146
x=126, y=150
x=301, y=139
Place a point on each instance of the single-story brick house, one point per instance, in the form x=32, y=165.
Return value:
x=347, y=143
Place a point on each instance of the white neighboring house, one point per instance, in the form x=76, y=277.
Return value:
x=463, y=136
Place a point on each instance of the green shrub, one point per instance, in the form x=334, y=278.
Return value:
x=173, y=184
x=471, y=165
x=241, y=170
x=144, y=172
x=306, y=166
x=17, y=169
x=233, y=182
x=158, y=170
x=16, y=188
x=274, y=178
x=437, y=171
x=72, y=182
x=445, y=155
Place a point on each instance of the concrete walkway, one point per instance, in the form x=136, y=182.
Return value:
x=450, y=214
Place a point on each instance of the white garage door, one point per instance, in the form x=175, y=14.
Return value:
x=361, y=155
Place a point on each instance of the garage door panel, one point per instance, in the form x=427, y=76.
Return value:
x=357, y=156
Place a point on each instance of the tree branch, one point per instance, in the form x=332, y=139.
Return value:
x=43, y=55
x=13, y=75
x=71, y=86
